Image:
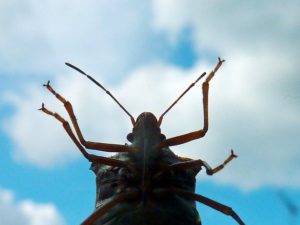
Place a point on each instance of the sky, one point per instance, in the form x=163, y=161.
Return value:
x=146, y=53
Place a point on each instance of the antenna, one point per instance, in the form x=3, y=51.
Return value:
x=191, y=85
x=103, y=88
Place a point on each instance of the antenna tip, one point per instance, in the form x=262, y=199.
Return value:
x=75, y=68
x=202, y=75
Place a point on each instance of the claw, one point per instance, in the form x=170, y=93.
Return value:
x=43, y=106
x=221, y=60
x=47, y=85
x=233, y=154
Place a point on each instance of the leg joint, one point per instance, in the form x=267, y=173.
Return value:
x=205, y=86
x=65, y=124
x=228, y=211
x=67, y=104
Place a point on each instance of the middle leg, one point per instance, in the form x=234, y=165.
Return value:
x=190, y=164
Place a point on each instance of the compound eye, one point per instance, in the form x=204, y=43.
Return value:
x=162, y=137
x=130, y=137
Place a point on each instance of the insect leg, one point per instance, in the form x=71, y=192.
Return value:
x=88, y=144
x=90, y=157
x=209, y=202
x=106, y=207
x=195, y=164
x=211, y=171
x=200, y=133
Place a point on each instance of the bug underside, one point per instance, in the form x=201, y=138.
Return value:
x=155, y=205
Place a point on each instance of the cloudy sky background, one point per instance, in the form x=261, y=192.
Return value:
x=147, y=53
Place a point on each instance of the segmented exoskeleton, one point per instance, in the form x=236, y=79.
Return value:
x=145, y=183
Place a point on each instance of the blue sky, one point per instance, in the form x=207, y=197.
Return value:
x=146, y=53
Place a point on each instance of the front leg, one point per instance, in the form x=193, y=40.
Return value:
x=88, y=144
x=90, y=157
x=200, y=133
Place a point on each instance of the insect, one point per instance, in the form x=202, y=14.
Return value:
x=145, y=183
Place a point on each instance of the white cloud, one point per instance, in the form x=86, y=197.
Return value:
x=37, y=37
x=232, y=26
x=27, y=212
x=29, y=131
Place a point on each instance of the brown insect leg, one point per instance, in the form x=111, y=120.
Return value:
x=200, y=133
x=88, y=144
x=195, y=164
x=106, y=207
x=209, y=202
x=211, y=171
x=90, y=157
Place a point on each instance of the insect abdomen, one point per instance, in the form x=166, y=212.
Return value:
x=154, y=206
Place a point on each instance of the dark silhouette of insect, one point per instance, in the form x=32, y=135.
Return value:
x=145, y=182
x=291, y=207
